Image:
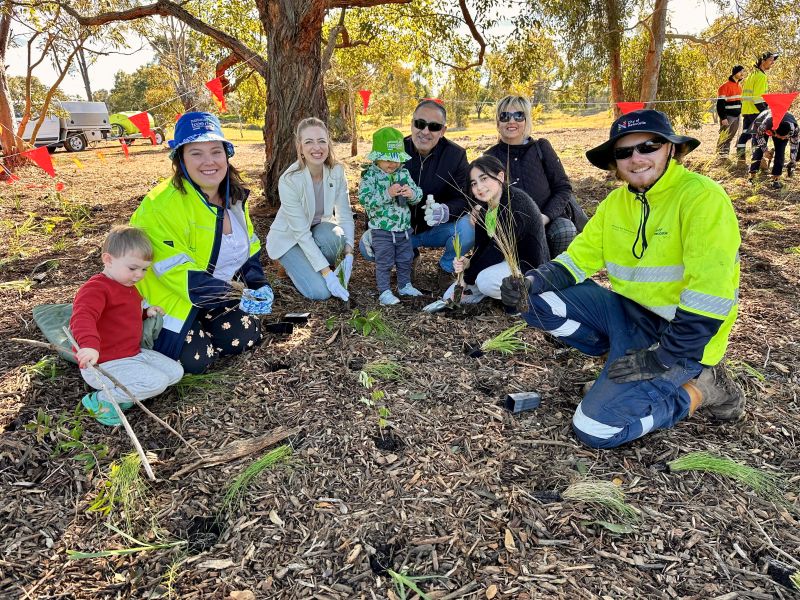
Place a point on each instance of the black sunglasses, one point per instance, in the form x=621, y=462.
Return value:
x=505, y=117
x=432, y=126
x=648, y=147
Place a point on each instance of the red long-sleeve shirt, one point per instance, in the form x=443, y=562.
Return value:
x=107, y=316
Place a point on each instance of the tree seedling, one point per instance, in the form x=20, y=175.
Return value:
x=369, y=323
x=68, y=429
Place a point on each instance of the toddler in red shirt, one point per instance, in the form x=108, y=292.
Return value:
x=106, y=322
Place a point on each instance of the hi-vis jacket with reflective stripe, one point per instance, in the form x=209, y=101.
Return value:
x=186, y=232
x=753, y=87
x=688, y=272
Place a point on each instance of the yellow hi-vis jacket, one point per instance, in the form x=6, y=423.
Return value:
x=186, y=232
x=689, y=252
x=755, y=84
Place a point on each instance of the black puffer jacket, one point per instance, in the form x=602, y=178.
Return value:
x=543, y=179
x=525, y=219
x=442, y=173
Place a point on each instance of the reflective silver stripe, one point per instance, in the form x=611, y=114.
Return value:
x=665, y=312
x=165, y=265
x=567, y=261
x=253, y=239
x=556, y=304
x=172, y=324
x=733, y=106
x=646, y=274
x=594, y=428
x=707, y=302
x=566, y=329
x=647, y=424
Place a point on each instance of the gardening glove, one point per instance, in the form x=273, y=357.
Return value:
x=257, y=302
x=346, y=267
x=636, y=365
x=366, y=239
x=335, y=288
x=436, y=214
x=511, y=292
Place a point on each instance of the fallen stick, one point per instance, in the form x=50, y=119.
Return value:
x=128, y=429
x=115, y=381
x=238, y=449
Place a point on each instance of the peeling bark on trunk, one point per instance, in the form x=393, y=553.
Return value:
x=652, y=63
x=614, y=48
x=9, y=143
x=295, y=56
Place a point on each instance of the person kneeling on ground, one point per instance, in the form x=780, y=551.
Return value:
x=106, y=322
x=386, y=191
x=669, y=240
x=504, y=216
x=205, y=250
x=787, y=132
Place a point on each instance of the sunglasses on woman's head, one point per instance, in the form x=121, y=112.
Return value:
x=517, y=115
x=432, y=126
x=648, y=147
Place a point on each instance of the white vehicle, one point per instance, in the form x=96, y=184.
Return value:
x=86, y=122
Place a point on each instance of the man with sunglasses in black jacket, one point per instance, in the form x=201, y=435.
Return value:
x=439, y=167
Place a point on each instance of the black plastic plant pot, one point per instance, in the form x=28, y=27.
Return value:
x=281, y=327
x=782, y=573
x=297, y=318
x=521, y=401
x=473, y=350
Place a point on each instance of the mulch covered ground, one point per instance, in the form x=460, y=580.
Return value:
x=450, y=488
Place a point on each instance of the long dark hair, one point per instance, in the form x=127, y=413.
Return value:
x=232, y=183
x=491, y=166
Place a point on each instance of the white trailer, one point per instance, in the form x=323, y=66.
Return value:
x=85, y=122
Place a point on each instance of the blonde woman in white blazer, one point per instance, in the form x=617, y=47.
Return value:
x=314, y=225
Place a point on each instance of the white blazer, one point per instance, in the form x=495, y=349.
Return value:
x=292, y=224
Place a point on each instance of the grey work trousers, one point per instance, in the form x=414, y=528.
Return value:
x=726, y=134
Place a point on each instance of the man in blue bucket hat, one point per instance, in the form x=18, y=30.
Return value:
x=206, y=272
x=669, y=241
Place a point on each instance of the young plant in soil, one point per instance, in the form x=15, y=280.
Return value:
x=124, y=490
x=140, y=546
x=69, y=429
x=234, y=495
x=506, y=342
x=386, y=370
x=207, y=384
x=369, y=323
x=605, y=494
x=765, y=484
x=458, y=290
x=404, y=582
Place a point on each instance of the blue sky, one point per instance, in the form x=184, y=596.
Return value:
x=687, y=16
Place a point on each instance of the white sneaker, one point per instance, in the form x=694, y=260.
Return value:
x=409, y=290
x=387, y=298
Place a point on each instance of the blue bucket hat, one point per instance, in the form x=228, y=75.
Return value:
x=639, y=121
x=198, y=127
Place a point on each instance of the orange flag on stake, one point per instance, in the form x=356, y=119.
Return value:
x=101, y=156
x=215, y=87
x=779, y=104
x=41, y=157
x=627, y=107
x=365, y=94
x=125, y=149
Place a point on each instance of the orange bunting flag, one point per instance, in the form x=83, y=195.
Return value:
x=152, y=137
x=779, y=104
x=365, y=94
x=78, y=163
x=437, y=100
x=101, y=156
x=41, y=157
x=60, y=186
x=178, y=116
x=10, y=177
x=142, y=122
x=627, y=107
x=215, y=87
x=125, y=149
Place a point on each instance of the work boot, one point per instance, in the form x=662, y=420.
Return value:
x=719, y=394
x=444, y=279
x=776, y=184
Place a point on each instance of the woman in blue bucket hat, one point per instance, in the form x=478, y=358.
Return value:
x=206, y=270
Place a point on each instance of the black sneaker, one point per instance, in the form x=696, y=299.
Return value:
x=776, y=185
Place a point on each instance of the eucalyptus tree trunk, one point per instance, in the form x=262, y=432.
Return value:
x=8, y=141
x=652, y=62
x=614, y=48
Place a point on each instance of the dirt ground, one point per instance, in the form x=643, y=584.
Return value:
x=450, y=488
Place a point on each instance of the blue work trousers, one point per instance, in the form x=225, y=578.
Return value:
x=595, y=321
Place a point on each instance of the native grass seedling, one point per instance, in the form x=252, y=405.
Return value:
x=205, y=384
x=507, y=341
x=369, y=323
x=234, y=494
x=404, y=582
x=765, y=484
x=604, y=494
x=458, y=290
x=124, y=490
x=139, y=546
x=386, y=370
x=68, y=429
